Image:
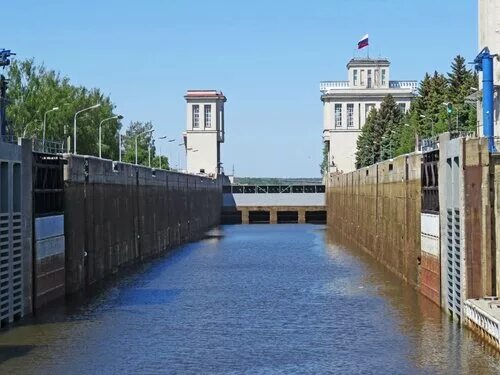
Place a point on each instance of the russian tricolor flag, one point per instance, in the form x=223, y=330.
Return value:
x=363, y=42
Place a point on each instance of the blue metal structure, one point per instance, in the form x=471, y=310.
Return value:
x=484, y=63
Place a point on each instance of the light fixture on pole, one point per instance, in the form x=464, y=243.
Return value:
x=118, y=117
x=159, y=153
x=45, y=124
x=137, y=136
x=74, y=123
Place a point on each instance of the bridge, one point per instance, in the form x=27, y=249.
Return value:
x=273, y=204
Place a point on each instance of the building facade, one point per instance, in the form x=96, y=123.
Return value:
x=489, y=36
x=205, y=131
x=346, y=105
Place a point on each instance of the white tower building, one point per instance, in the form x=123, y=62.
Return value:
x=489, y=36
x=205, y=131
x=346, y=105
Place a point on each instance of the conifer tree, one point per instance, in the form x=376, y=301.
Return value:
x=367, y=150
x=388, y=125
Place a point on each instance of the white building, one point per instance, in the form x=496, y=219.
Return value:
x=346, y=105
x=205, y=131
x=489, y=36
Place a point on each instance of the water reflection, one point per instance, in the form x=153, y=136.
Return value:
x=249, y=299
x=437, y=343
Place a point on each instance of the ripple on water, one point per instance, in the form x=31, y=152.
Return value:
x=251, y=300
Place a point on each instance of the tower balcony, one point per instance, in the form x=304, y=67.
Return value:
x=325, y=86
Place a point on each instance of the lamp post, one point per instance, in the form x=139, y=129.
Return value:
x=120, y=147
x=179, y=155
x=45, y=123
x=74, y=123
x=119, y=117
x=159, y=153
x=137, y=136
x=169, y=141
x=416, y=136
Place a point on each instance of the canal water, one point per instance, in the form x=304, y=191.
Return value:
x=263, y=299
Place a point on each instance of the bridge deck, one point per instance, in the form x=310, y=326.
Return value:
x=274, y=204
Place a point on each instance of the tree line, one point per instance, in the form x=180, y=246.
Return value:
x=36, y=93
x=438, y=107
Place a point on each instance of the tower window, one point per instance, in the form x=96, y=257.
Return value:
x=369, y=78
x=362, y=77
x=355, y=77
x=208, y=116
x=338, y=115
x=350, y=115
x=196, y=116
x=382, y=79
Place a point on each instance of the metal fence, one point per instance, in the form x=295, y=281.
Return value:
x=273, y=189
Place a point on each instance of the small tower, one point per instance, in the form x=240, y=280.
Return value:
x=204, y=131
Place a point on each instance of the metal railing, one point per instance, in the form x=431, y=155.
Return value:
x=403, y=85
x=327, y=85
x=273, y=189
x=8, y=139
x=49, y=147
x=332, y=85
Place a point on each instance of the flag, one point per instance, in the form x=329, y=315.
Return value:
x=363, y=42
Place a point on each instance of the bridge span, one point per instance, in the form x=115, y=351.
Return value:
x=273, y=204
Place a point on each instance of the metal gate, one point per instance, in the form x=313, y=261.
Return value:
x=11, y=275
x=453, y=240
x=48, y=234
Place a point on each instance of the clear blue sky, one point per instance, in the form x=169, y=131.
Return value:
x=266, y=56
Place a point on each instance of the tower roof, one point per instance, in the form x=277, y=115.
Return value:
x=204, y=94
x=366, y=61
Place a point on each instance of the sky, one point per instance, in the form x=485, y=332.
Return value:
x=268, y=58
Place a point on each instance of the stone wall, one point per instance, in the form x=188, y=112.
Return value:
x=378, y=209
x=119, y=214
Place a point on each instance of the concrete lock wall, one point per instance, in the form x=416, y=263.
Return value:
x=449, y=257
x=378, y=209
x=15, y=231
x=118, y=214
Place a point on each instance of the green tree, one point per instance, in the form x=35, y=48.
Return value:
x=34, y=90
x=461, y=80
x=387, y=127
x=324, y=162
x=367, y=149
x=145, y=145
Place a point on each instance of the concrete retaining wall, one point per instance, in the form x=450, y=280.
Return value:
x=118, y=214
x=378, y=208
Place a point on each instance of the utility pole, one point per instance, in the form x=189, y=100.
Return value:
x=4, y=61
x=3, y=104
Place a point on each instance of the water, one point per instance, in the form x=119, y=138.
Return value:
x=259, y=300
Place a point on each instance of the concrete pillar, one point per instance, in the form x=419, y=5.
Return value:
x=302, y=216
x=245, y=216
x=273, y=216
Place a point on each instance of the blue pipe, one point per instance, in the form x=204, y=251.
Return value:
x=484, y=62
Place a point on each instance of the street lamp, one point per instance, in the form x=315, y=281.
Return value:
x=44, y=125
x=119, y=117
x=74, y=123
x=159, y=153
x=169, y=141
x=137, y=136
